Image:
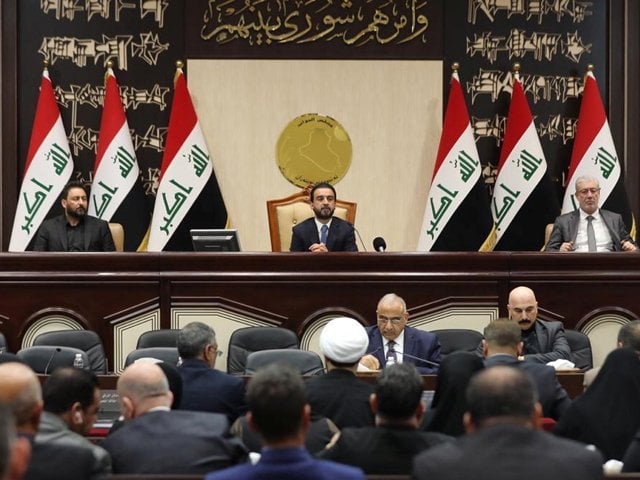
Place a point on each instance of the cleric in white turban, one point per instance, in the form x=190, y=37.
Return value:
x=343, y=341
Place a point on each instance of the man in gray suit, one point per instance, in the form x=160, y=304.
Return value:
x=504, y=440
x=589, y=228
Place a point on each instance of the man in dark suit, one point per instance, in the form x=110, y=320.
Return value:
x=20, y=389
x=338, y=394
x=323, y=232
x=392, y=340
x=502, y=345
x=74, y=230
x=203, y=387
x=589, y=228
x=504, y=440
x=279, y=412
x=155, y=439
x=389, y=447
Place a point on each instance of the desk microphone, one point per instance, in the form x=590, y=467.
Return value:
x=379, y=245
x=418, y=359
x=359, y=237
x=53, y=354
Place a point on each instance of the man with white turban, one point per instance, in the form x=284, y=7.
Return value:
x=338, y=394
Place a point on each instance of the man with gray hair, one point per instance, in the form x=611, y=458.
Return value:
x=504, y=440
x=589, y=228
x=155, y=439
x=204, y=388
x=14, y=451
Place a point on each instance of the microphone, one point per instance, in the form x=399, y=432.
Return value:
x=418, y=359
x=53, y=354
x=379, y=245
x=359, y=237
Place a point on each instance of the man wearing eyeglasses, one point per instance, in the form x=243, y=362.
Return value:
x=589, y=228
x=203, y=387
x=391, y=340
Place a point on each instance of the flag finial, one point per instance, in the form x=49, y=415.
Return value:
x=45, y=64
x=179, y=64
x=516, y=68
x=455, y=66
x=109, y=64
x=590, y=68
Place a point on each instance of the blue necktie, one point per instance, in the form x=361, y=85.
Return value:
x=323, y=234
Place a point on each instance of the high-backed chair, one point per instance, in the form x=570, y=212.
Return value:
x=252, y=339
x=307, y=362
x=457, y=340
x=580, y=346
x=86, y=340
x=166, y=354
x=285, y=213
x=45, y=359
x=3, y=343
x=117, y=233
x=167, y=337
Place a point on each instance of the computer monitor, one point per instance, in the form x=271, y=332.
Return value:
x=215, y=240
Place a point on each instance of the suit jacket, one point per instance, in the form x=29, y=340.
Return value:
x=208, y=390
x=289, y=464
x=342, y=397
x=341, y=236
x=53, y=429
x=565, y=229
x=176, y=441
x=508, y=451
x=382, y=450
x=552, y=342
x=552, y=396
x=417, y=343
x=53, y=461
x=52, y=235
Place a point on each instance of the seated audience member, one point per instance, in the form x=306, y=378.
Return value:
x=606, y=414
x=391, y=340
x=503, y=439
x=14, y=451
x=21, y=391
x=543, y=341
x=502, y=345
x=71, y=401
x=388, y=447
x=74, y=230
x=628, y=337
x=279, y=412
x=204, y=388
x=589, y=228
x=449, y=402
x=339, y=394
x=323, y=232
x=155, y=439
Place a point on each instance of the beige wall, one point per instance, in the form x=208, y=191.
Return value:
x=392, y=111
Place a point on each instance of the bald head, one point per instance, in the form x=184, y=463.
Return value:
x=20, y=389
x=143, y=386
x=523, y=307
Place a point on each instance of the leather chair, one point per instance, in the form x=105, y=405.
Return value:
x=244, y=341
x=117, y=233
x=166, y=354
x=285, y=213
x=580, y=346
x=457, y=340
x=167, y=337
x=309, y=363
x=44, y=359
x=3, y=343
x=86, y=340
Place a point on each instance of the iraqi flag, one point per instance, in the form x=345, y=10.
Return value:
x=457, y=216
x=524, y=201
x=47, y=169
x=116, y=192
x=188, y=195
x=594, y=155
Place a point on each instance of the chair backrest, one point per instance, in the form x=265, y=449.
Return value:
x=457, y=340
x=45, y=359
x=3, y=343
x=117, y=233
x=580, y=347
x=167, y=337
x=86, y=340
x=307, y=362
x=166, y=354
x=252, y=339
x=285, y=213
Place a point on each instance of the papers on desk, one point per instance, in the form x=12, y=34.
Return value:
x=562, y=364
